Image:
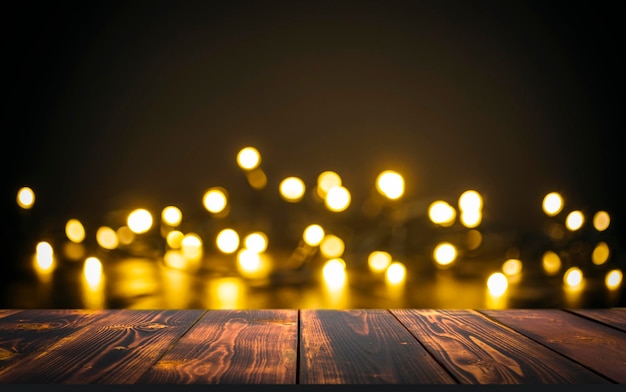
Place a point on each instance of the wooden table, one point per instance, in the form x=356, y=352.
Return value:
x=307, y=346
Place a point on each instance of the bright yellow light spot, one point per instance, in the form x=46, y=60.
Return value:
x=573, y=277
x=332, y=246
x=613, y=279
x=378, y=260
x=552, y=203
x=474, y=239
x=334, y=272
x=228, y=292
x=139, y=221
x=390, y=184
x=125, y=235
x=512, y=267
x=256, y=242
x=574, y=220
x=497, y=284
x=172, y=215
x=44, y=257
x=441, y=213
x=471, y=218
x=175, y=259
x=174, y=239
x=292, y=189
x=92, y=271
x=25, y=198
x=600, y=253
x=338, y=198
x=192, y=246
x=227, y=241
x=327, y=180
x=551, y=262
x=215, y=200
x=313, y=235
x=444, y=254
x=248, y=158
x=395, y=273
x=248, y=261
x=256, y=178
x=75, y=231
x=601, y=220
x=470, y=200
x=106, y=237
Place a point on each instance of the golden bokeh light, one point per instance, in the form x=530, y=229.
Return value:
x=106, y=238
x=25, y=198
x=512, y=267
x=378, y=261
x=327, y=180
x=256, y=178
x=192, y=246
x=215, y=200
x=390, y=184
x=252, y=265
x=332, y=246
x=125, y=235
x=574, y=220
x=601, y=220
x=174, y=239
x=497, y=284
x=552, y=203
x=470, y=200
x=334, y=272
x=601, y=253
x=172, y=216
x=613, y=279
x=139, y=221
x=551, y=262
x=313, y=235
x=395, y=273
x=473, y=239
x=227, y=241
x=256, y=242
x=292, y=189
x=441, y=213
x=75, y=231
x=44, y=258
x=248, y=158
x=444, y=254
x=471, y=218
x=92, y=271
x=338, y=199
x=573, y=277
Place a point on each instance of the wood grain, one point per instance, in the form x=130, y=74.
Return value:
x=233, y=346
x=478, y=351
x=615, y=317
x=594, y=345
x=116, y=347
x=362, y=346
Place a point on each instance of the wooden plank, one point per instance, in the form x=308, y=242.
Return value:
x=362, y=346
x=595, y=346
x=116, y=348
x=7, y=312
x=25, y=332
x=476, y=350
x=615, y=317
x=233, y=346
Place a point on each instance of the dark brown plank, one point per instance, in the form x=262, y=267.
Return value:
x=595, y=346
x=7, y=312
x=476, y=350
x=26, y=332
x=233, y=346
x=615, y=317
x=362, y=346
x=118, y=347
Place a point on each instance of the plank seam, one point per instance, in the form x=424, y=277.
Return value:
x=298, y=340
x=590, y=318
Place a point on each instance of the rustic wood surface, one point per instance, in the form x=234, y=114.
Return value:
x=290, y=346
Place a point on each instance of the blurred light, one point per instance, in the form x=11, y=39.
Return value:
x=338, y=198
x=74, y=251
x=25, y=198
x=227, y=241
x=172, y=215
x=332, y=246
x=497, y=284
x=613, y=279
x=552, y=203
x=256, y=178
x=470, y=200
x=192, y=246
x=75, y=231
x=252, y=265
x=474, y=239
x=327, y=180
x=125, y=235
x=174, y=239
x=573, y=277
x=551, y=262
x=444, y=254
x=574, y=220
x=600, y=253
x=175, y=259
x=512, y=267
x=248, y=158
x=378, y=261
x=313, y=235
x=139, y=221
x=44, y=258
x=256, y=242
x=395, y=273
x=441, y=213
x=292, y=189
x=215, y=200
x=334, y=272
x=601, y=220
x=92, y=271
x=390, y=184
x=226, y=293
x=107, y=238
x=471, y=218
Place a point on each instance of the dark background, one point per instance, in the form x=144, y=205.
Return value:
x=118, y=103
